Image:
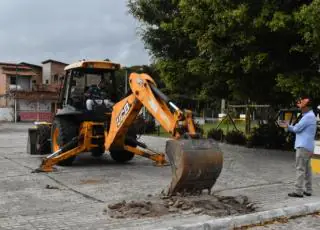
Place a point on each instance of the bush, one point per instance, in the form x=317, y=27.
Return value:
x=183, y=130
x=269, y=136
x=143, y=126
x=149, y=126
x=199, y=129
x=236, y=137
x=216, y=134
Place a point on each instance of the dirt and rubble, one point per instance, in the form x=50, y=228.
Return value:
x=211, y=205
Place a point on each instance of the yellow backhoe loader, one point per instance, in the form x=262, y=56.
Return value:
x=100, y=126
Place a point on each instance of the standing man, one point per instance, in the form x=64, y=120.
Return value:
x=305, y=131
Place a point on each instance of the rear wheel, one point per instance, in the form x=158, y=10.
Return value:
x=44, y=135
x=38, y=140
x=62, y=132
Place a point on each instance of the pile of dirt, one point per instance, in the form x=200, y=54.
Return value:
x=136, y=209
x=217, y=206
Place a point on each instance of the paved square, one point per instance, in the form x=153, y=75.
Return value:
x=80, y=193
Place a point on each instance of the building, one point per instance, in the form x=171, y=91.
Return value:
x=29, y=92
x=14, y=77
x=52, y=70
x=37, y=69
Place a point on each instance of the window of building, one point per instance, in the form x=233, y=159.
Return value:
x=55, y=78
x=13, y=80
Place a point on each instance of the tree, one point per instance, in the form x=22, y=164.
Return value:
x=250, y=44
x=258, y=50
x=305, y=80
x=125, y=72
x=171, y=47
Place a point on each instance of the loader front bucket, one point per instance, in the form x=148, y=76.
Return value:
x=195, y=163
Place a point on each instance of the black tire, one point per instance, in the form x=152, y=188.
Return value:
x=67, y=129
x=38, y=140
x=32, y=141
x=122, y=156
x=43, y=139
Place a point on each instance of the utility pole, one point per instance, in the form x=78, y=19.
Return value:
x=126, y=81
x=15, y=96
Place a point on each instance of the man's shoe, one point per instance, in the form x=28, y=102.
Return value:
x=307, y=194
x=293, y=194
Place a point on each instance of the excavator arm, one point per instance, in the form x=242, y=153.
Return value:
x=145, y=93
x=196, y=162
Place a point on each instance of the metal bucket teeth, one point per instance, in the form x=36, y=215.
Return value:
x=195, y=163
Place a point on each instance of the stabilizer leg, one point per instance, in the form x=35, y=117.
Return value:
x=54, y=158
x=158, y=158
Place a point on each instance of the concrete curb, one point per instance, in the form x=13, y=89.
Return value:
x=251, y=219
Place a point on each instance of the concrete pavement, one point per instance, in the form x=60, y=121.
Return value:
x=83, y=191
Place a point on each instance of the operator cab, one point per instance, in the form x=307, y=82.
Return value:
x=81, y=79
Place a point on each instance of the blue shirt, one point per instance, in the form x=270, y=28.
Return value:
x=305, y=131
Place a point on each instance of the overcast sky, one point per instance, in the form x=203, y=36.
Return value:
x=69, y=30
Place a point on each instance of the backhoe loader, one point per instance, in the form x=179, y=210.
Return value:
x=196, y=162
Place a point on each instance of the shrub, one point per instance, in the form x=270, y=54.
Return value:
x=236, y=137
x=269, y=136
x=149, y=126
x=143, y=126
x=183, y=130
x=199, y=129
x=216, y=134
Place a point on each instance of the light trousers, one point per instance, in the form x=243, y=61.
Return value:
x=303, y=171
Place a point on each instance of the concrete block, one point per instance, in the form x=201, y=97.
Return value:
x=245, y=220
x=313, y=207
x=295, y=211
x=253, y=218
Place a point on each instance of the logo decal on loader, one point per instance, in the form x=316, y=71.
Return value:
x=124, y=111
x=153, y=105
x=140, y=82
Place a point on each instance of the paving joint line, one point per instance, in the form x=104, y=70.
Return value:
x=254, y=186
x=60, y=183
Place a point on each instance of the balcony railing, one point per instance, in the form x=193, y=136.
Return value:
x=36, y=88
x=45, y=87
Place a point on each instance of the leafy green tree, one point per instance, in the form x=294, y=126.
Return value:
x=265, y=51
x=171, y=47
x=306, y=79
x=250, y=45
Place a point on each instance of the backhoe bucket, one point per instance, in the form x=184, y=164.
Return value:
x=196, y=164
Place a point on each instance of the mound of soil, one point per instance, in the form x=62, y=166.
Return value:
x=217, y=206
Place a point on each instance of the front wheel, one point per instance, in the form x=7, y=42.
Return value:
x=121, y=156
